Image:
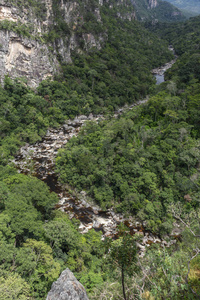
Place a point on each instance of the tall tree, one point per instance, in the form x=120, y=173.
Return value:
x=122, y=252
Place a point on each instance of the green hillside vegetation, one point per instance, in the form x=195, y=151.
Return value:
x=98, y=82
x=147, y=161
x=144, y=163
x=187, y=46
x=36, y=242
x=141, y=162
x=113, y=79
x=185, y=38
x=37, y=7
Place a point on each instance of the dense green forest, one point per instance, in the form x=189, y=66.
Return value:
x=141, y=162
x=144, y=163
x=147, y=160
x=97, y=81
x=185, y=38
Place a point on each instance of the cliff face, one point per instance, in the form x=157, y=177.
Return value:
x=34, y=38
x=22, y=57
x=67, y=287
x=152, y=3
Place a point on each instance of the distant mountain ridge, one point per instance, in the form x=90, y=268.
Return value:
x=157, y=10
x=190, y=6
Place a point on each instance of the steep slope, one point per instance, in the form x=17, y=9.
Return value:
x=157, y=10
x=35, y=35
x=144, y=163
x=185, y=38
x=124, y=163
x=38, y=41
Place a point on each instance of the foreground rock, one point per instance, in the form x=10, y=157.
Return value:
x=67, y=287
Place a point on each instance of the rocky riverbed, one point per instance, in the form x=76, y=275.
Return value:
x=39, y=160
x=161, y=70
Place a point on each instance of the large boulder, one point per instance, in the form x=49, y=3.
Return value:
x=67, y=287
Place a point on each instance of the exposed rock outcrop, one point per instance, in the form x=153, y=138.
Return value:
x=152, y=3
x=67, y=287
x=42, y=21
x=7, y=13
x=22, y=57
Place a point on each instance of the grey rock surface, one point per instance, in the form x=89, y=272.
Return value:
x=21, y=57
x=32, y=57
x=67, y=287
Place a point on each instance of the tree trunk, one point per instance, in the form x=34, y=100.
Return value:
x=123, y=288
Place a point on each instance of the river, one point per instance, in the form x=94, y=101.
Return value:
x=39, y=160
x=159, y=72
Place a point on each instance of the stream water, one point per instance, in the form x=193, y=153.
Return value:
x=159, y=78
x=39, y=160
x=159, y=72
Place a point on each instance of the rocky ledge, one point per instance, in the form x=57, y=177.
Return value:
x=67, y=287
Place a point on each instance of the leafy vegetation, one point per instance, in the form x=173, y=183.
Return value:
x=19, y=28
x=98, y=82
x=37, y=7
x=185, y=39
x=141, y=162
x=144, y=163
x=110, y=78
x=37, y=242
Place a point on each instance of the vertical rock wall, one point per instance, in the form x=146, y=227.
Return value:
x=21, y=57
x=152, y=3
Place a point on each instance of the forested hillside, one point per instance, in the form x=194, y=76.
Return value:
x=97, y=81
x=185, y=38
x=143, y=163
x=146, y=162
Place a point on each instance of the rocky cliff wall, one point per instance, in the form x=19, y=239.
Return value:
x=34, y=53
x=21, y=57
x=152, y=3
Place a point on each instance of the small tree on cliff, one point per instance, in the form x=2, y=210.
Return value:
x=122, y=252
